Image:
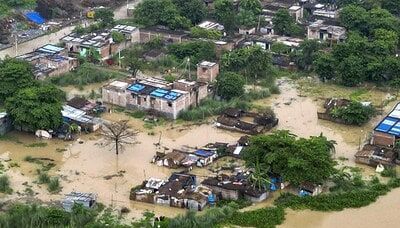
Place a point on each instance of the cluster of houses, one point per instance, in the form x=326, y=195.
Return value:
x=382, y=148
x=182, y=190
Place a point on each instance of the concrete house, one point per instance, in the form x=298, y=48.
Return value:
x=102, y=42
x=50, y=60
x=318, y=30
x=155, y=95
x=207, y=71
x=169, y=36
x=296, y=12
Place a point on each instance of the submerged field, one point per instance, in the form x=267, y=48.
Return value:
x=89, y=166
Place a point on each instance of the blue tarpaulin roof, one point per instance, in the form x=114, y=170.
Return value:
x=204, y=153
x=391, y=123
x=35, y=17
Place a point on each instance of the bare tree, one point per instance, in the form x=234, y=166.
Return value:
x=119, y=134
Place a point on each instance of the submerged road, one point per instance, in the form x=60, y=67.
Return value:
x=53, y=38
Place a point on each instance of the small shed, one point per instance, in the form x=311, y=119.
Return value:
x=206, y=157
x=310, y=189
x=87, y=200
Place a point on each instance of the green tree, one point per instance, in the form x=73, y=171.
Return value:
x=352, y=71
x=213, y=34
x=354, y=18
x=225, y=13
x=93, y=55
x=25, y=4
x=4, y=10
x=296, y=160
x=230, y=85
x=14, y=75
x=252, y=62
x=305, y=55
x=251, y=5
x=392, y=6
x=160, y=12
x=133, y=60
x=195, y=50
x=246, y=19
x=36, y=107
x=117, y=37
x=355, y=113
x=280, y=48
x=194, y=10
x=284, y=24
x=105, y=16
x=325, y=66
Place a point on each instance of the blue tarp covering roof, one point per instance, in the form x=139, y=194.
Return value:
x=391, y=123
x=153, y=91
x=35, y=17
x=204, y=153
x=166, y=94
x=136, y=87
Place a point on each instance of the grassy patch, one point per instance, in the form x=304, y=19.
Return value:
x=241, y=203
x=39, y=144
x=10, y=138
x=138, y=114
x=389, y=172
x=5, y=185
x=266, y=217
x=54, y=185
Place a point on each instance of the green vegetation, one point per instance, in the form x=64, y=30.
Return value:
x=197, y=51
x=389, y=172
x=36, y=107
x=225, y=13
x=268, y=217
x=5, y=185
x=39, y=144
x=213, y=34
x=105, y=16
x=285, y=24
x=14, y=75
x=54, y=185
x=251, y=62
x=43, y=178
x=296, y=160
x=117, y=37
x=87, y=73
x=355, y=113
x=230, y=85
x=241, y=203
x=138, y=114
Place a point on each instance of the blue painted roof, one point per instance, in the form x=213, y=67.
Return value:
x=136, y=87
x=204, y=153
x=153, y=91
x=35, y=17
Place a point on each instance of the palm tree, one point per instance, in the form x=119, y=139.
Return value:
x=259, y=177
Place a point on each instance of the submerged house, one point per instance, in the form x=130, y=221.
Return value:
x=309, y=189
x=373, y=155
x=155, y=95
x=178, y=191
x=87, y=200
x=235, y=187
x=79, y=117
x=232, y=119
x=5, y=123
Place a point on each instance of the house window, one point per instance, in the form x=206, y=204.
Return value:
x=329, y=35
x=145, y=99
x=169, y=104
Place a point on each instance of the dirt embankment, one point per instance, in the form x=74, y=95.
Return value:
x=73, y=8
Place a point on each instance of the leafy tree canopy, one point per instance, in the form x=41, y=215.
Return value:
x=251, y=5
x=225, y=13
x=297, y=160
x=246, y=19
x=194, y=10
x=36, y=107
x=105, y=16
x=355, y=113
x=213, y=34
x=230, y=85
x=160, y=12
x=14, y=75
x=195, y=50
x=284, y=24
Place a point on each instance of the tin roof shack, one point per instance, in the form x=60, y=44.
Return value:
x=232, y=119
x=206, y=157
x=174, y=159
x=180, y=192
x=5, y=123
x=50, y=60
x=309, y=189
x=208, y=25
x=102, y=42
x=374, y=155
x=79, y=117
x=146, y=191
x=234, y=188
x=87, y=200
x=169, y=36
x=207, y=71
x=330, y=33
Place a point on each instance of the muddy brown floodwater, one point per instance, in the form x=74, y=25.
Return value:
x=83, y=167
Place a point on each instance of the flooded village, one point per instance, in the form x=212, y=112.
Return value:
x=140, y=120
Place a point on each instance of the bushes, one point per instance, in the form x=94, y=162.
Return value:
x=354, y=113
x=5, y=185
x=84, y=75
x=389, y=172
x=210, y=107
x=265, y=217
x=195, y=50
x=54, y=185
